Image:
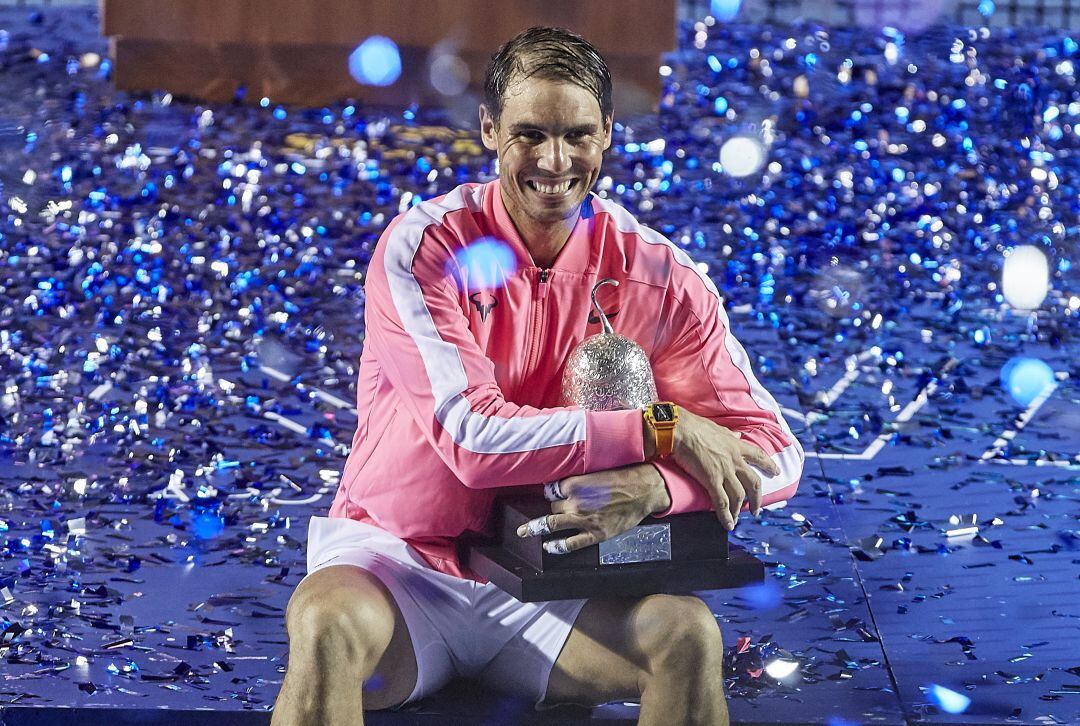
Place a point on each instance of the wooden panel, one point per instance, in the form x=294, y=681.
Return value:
x=646, y=26
x=313, y=75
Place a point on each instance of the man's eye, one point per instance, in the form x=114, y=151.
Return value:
x=532, y=135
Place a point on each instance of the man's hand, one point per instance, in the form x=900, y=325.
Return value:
x=601, y=505
x=720, y=461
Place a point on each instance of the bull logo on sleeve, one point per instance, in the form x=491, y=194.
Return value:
x=483, y=303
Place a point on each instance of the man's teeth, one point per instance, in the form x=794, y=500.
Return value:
x=553, y=189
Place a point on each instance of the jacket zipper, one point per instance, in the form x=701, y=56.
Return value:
x=538, y=322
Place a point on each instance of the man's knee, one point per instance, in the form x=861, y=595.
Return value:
x=679, y=631
x=340, y=614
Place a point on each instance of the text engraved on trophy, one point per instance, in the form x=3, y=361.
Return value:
x=644, y=543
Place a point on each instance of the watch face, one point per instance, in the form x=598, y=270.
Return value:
x=663, y=412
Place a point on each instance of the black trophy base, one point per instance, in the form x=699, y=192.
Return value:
x=637, y=580
x=681, y=553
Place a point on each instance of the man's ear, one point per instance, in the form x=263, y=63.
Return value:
x=488, y=130
x=608, y=122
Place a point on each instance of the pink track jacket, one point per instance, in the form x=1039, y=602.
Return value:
x=459, y=387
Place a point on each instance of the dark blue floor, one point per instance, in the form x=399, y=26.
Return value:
x=991, y=616
x=156, y=479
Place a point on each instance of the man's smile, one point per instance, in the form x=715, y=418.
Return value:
x=551, y=188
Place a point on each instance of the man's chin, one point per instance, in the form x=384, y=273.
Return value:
x=554, y=211
x=552, y=215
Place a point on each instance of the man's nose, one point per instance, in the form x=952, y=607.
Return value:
x=555, y=156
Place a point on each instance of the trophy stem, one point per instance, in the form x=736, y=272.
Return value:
x=603, y=318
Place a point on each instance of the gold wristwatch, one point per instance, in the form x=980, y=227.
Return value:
x=662, y=417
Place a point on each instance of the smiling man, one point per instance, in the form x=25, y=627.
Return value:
x=459, y=390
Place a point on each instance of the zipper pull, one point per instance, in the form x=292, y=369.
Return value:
x=542, y=286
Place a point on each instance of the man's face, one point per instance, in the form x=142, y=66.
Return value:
x=550, y=140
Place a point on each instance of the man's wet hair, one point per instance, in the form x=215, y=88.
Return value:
x=554, y=54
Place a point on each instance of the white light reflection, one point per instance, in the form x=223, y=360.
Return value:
x=780, y=668
x=449, y=74
x=742, y=156
x=1025, y=277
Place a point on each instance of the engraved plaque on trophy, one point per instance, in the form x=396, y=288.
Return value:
x=674, y=554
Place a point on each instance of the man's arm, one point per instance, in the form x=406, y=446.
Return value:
x=423, y=344
x=705, y=369
x=710, y=466
x=606, y=503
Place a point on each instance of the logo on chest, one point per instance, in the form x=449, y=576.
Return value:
x=484, y=304
x=594, y=319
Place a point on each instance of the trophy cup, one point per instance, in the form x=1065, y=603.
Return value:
x=675, y=554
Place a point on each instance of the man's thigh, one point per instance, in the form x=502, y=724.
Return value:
x=333, y=589
x=612, y=647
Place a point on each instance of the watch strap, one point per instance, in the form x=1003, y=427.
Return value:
x=665, y=440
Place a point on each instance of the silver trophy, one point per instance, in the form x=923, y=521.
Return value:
x=608, y=371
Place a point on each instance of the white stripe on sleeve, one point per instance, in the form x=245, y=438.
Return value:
x=443, y=366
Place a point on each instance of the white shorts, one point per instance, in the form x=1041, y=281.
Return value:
x=459, y=628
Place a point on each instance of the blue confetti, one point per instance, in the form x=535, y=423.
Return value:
x=1026, y=378
x=948, y=700
x=376, y=62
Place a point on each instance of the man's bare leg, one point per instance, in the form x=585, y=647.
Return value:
x=665, y=649
x=344, y=630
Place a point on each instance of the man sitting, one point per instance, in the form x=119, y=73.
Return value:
x=458, y=395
